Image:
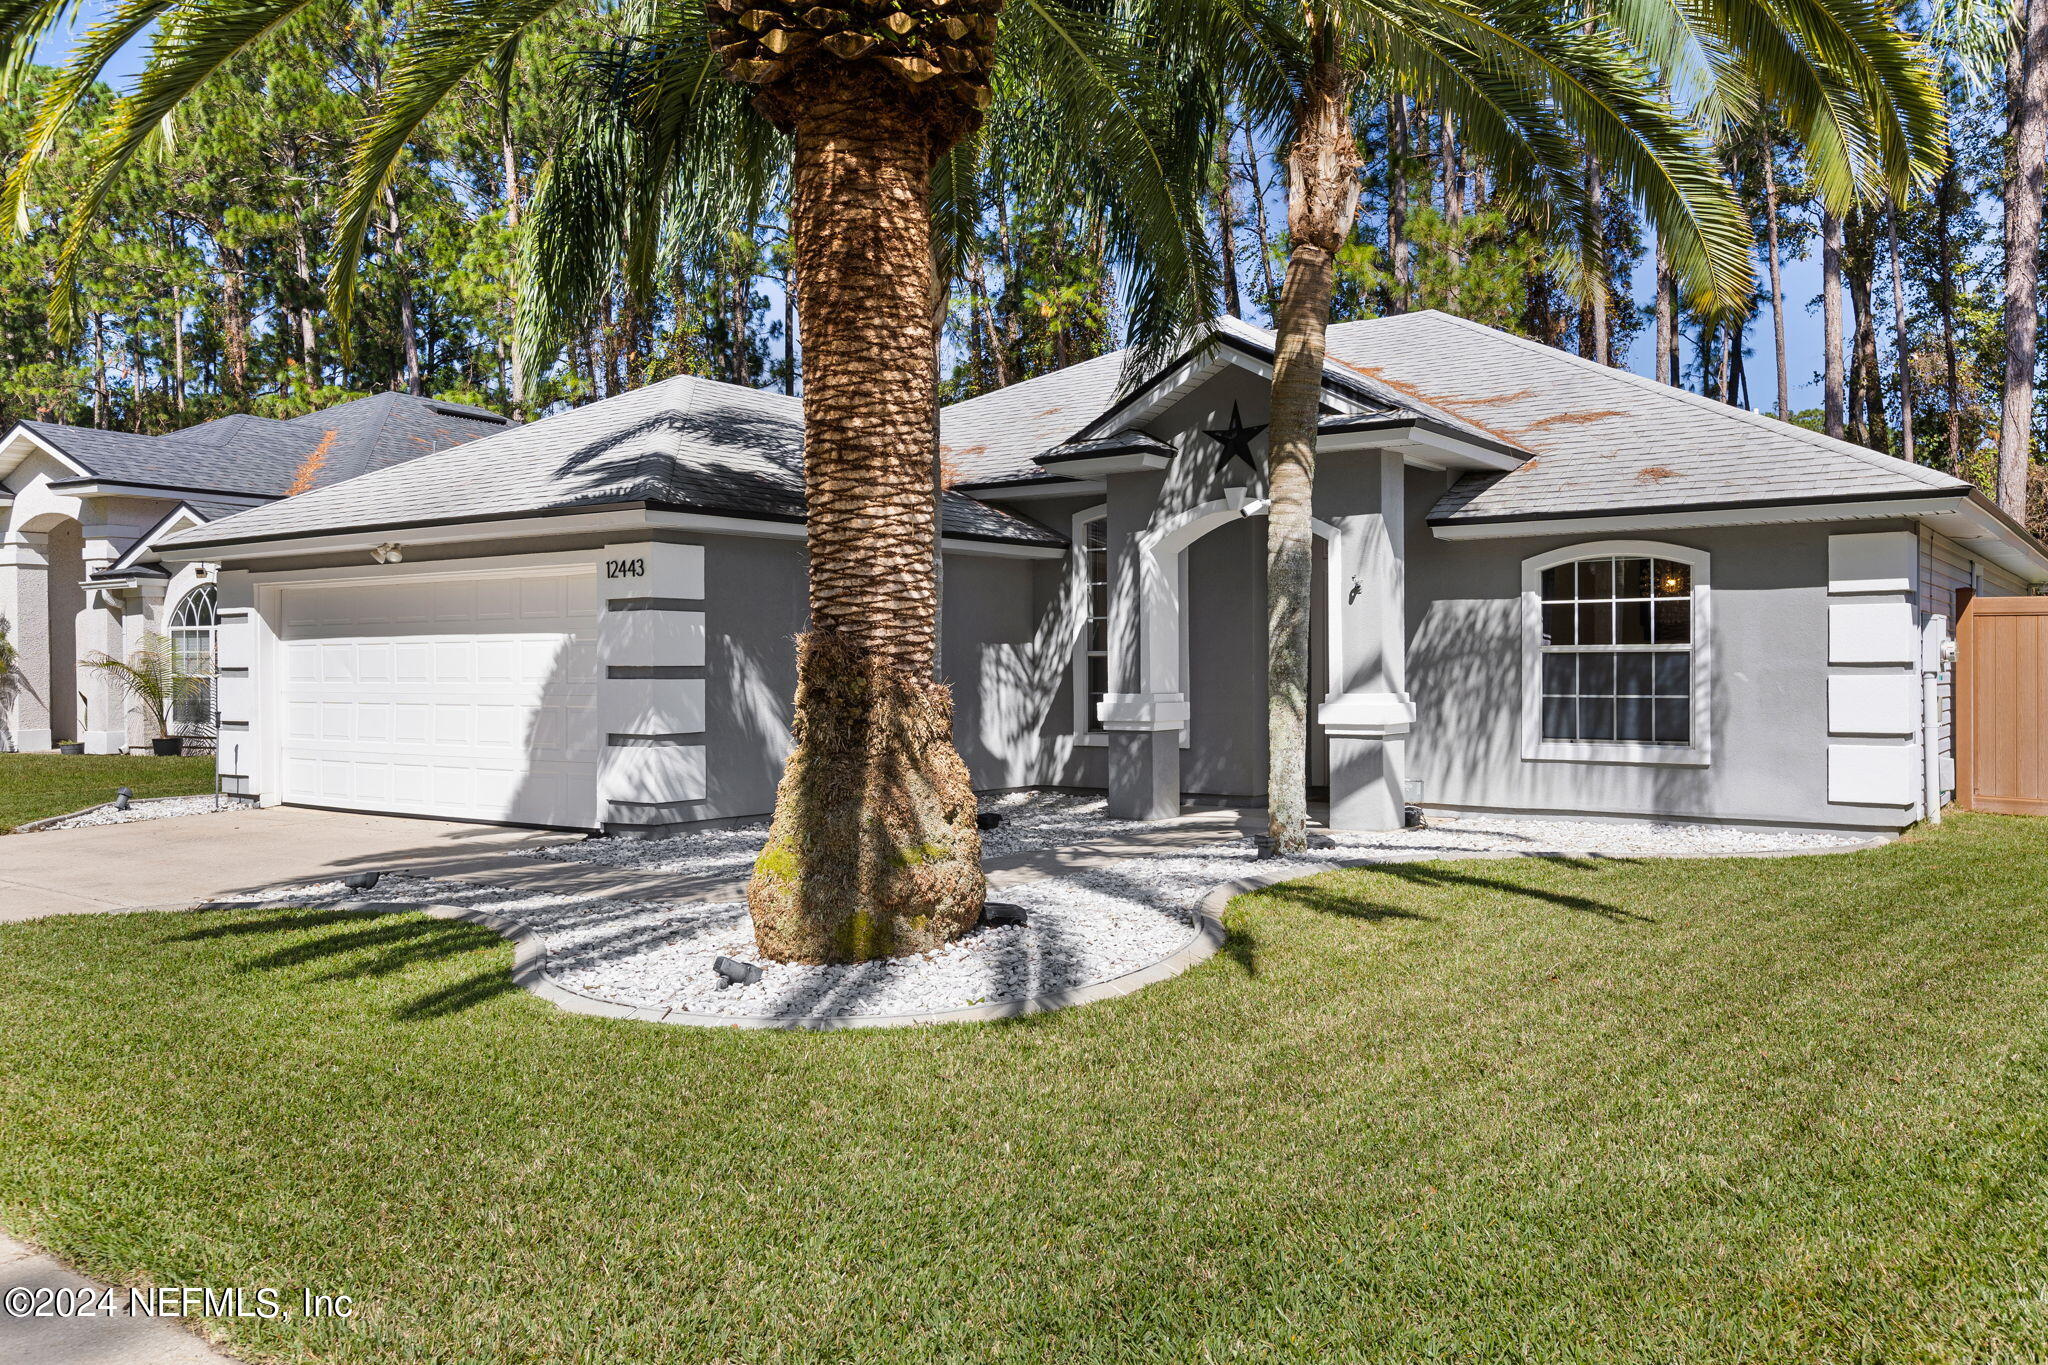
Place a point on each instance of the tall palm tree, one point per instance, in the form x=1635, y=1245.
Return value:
x=1536, y=88
x=874, y=849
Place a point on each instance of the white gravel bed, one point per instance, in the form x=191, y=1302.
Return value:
x=160, y=808
x=1084, y=925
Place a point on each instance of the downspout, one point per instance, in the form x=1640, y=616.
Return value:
x=1935, y=651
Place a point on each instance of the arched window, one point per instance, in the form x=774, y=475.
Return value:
x=1616, y=661
x=194, y=623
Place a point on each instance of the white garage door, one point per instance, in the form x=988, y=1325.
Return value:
x=463, y=697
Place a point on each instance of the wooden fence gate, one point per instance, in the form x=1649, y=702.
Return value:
x=2001, y=697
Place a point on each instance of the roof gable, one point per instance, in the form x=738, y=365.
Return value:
x=1604, y=439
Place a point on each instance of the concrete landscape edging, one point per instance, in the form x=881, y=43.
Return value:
x=37, y=826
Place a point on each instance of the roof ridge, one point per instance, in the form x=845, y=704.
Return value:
x=1919, y=473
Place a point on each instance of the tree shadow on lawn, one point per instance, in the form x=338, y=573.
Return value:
x=1349, y=904
x=384, y=941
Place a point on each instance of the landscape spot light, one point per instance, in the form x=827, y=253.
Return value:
x=736, y=972
x=998, y=913
x=122, y=796
x=361, y=881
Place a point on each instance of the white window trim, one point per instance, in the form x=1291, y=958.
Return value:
x=1077, y=669
x=1535, y=748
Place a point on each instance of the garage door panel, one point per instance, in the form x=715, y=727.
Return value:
x=464, y=698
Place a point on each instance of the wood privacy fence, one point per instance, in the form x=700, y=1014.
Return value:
x=2001, y=693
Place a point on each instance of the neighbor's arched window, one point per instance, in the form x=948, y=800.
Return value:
x=1617, y=664
x=194, y=623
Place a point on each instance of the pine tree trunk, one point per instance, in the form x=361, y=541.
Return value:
x=1891, y=227
x=1952, y=379
x=1866, y=394
x=1777, y=286
x=1251, y=154
x=178, y=347
x=1454, y=204
x=1322, y=201
x=2027, y=120
x=1226, y=226
x=873, y=851
x=510, y=157
x=1397, y=201
x=1666, y=369
x=1831, y=324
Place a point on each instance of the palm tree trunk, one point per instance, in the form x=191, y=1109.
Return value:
x=1593, y=331
x=1454, y=203
x=1831, y=324
x=1891, y=227
x=510, y=157
x=873, y=850
x=1777, y=285
x=2027, y=120
x=1322, y=201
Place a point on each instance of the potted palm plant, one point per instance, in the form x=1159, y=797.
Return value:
x=150, y=675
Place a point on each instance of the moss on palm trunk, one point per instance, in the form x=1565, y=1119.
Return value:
x=874, y=850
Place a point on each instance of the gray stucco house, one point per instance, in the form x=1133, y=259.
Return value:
x=83, y=510
x=1545, y=586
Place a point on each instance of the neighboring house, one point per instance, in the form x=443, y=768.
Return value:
x=1543, y=585
x=82, y=510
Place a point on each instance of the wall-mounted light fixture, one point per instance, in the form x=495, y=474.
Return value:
x=388, y=553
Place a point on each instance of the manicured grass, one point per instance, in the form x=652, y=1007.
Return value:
x=1791, y=1110
x=38, y=786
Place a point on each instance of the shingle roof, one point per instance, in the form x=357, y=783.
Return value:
x=685, y=443
x=1602, y=439
x=997, y=435
x=264, y=456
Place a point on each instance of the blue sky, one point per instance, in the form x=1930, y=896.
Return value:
x=1801, y=277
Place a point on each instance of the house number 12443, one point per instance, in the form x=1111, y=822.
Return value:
x=626, y=568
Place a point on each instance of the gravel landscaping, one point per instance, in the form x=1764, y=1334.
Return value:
x=163, y=808
x=1084, y=925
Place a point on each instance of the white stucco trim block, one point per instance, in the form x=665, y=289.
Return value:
x=234, y=640
x=652, y=774
x=1871, y=633
x=1367, y=714
x=651, y=639
x=652, y=568
x=651, y=706
x=235, y=695
x=1143, y=711
x=1886, y=703
x=1873, y=774
x=1872, y=561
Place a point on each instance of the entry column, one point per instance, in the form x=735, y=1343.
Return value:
x=25, y=612
x=1368, y=720
x=1144, y=712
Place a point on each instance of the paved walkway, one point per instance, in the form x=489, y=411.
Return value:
x=176, y=863
x=82, y=1340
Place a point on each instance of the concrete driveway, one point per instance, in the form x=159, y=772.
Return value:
x=175, y=863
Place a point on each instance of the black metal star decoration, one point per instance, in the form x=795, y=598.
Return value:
x=1236, y=440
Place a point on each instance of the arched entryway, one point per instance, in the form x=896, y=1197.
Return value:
x=1197, y=723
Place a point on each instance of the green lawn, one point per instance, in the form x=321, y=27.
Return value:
x=37, y=786
x=1789, y=1110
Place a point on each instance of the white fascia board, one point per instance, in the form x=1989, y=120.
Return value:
x=114, y=488
x=545, y=527
x=1525, y=528
x=1024, y=492
x=1981, y=531
x=1422, y=448
x=1135, y=462
x=22, y=440
x=525, y=528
